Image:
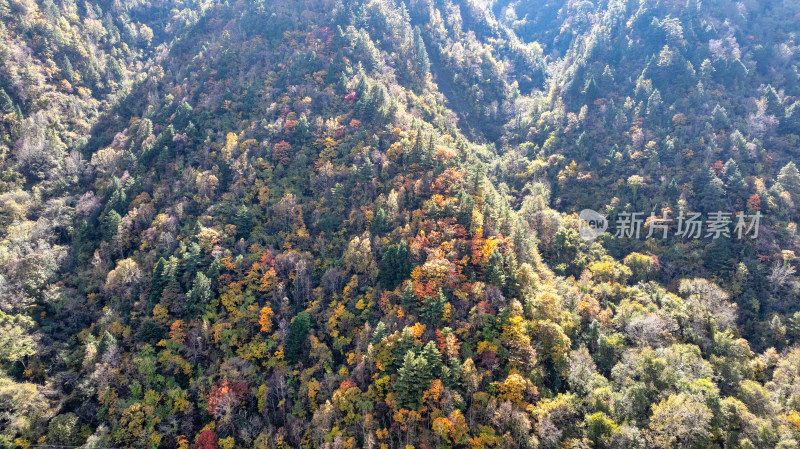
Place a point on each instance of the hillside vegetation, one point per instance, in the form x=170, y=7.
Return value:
x=354, y=223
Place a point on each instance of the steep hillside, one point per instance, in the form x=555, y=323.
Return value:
x=353, y=224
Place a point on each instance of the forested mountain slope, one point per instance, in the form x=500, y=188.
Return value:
x=353, y=224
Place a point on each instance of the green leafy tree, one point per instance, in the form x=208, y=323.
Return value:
x=64, y=430
x=680, y=421
x=17, y=340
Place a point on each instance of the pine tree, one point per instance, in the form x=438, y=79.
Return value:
x=417, y=152
x=244, y=222
x=591, y=91
x=378, y=226
x=789, y=178
x=214, y=272
x=717, y=256
x=422, y=61
x=510, y=285
x=738, y=72
x=200, y=293
x=607, y=79
x=427, y=160
x=719, y=117
x=732, y=178
x=672, y=190
x=433, y=358
x=773, y=102
x=191, y=259
x=494, y=272
x=433, y=309
x=118, y=200
x=298, y=330
x=111, y=222
x=395, y=265
x=401, y=347
x=336, y=67
x=611, y=114
x=478, y=175
x=158, y=282
x=379, y=334
x=713, y=194
x=6, y=104
x=654, y=105
x=465, y=206
x=302, y=131
x=408, y=299
x=183, y=114
x=67, y=70
x=413, y=378
x=364, y=105
x=792, y=121
x=583, y=145
x=362, y=87
x=172, y=288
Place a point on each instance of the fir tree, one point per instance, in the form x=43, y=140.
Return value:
x=159, y=281
x=433, y=358
x=413, y=378
x=243, y=221
x=379, y=334
x=200, y=293
x=789, y=179
x=433, y=309
x=395, y=265
x=713, y=194
x=591, y=91
x=378, y=226
x=494, y=272
x=466, y=204
x=773, y=103
x=6, y=104
x=298, y=330
x=408, y=299
x=732, y=178
x=421, y=54
x=111, y=222
x=67, y=70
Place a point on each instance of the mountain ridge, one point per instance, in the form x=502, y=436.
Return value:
x=353, y=224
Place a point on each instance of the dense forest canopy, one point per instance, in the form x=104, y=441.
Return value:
x=361, y=223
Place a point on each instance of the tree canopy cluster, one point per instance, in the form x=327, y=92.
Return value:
x=354, y=223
